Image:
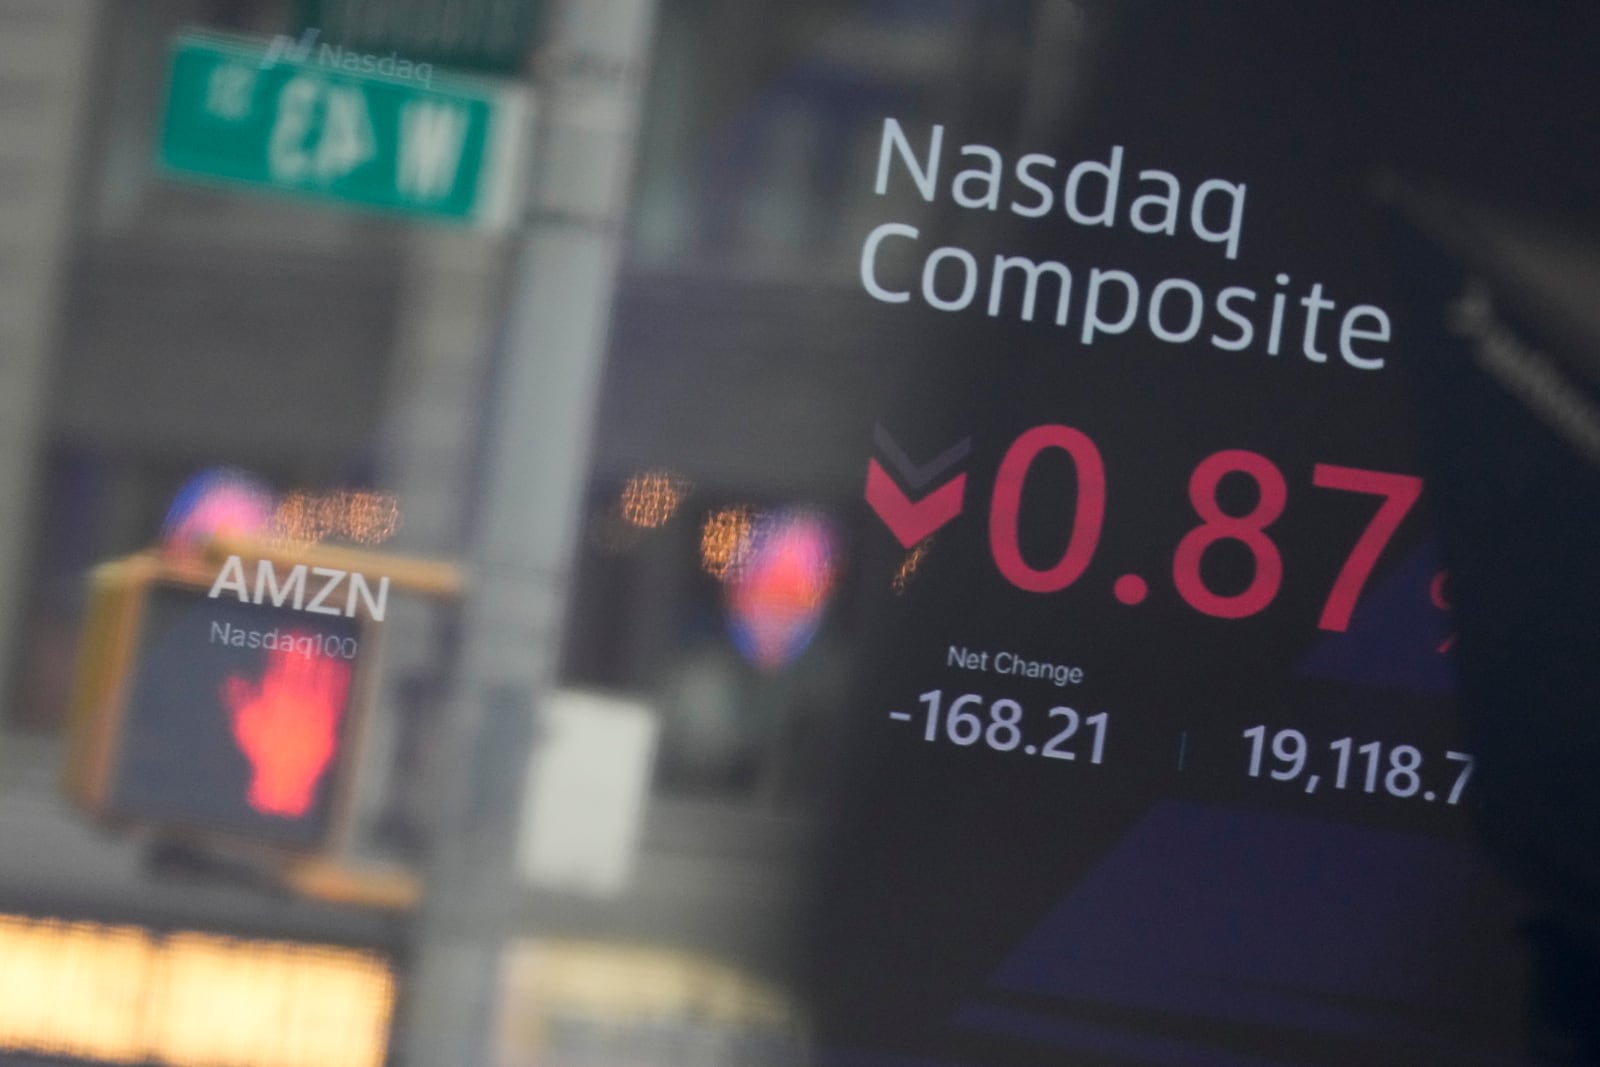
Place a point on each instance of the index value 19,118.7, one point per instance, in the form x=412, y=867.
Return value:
x=1372, y=767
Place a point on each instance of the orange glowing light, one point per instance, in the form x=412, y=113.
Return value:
x=909, y=565
x=363, y=517
x=121, y=994
x=651, y=498
x=287, y=725
x=725, y=540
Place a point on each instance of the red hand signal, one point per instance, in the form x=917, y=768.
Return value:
x=287, y=726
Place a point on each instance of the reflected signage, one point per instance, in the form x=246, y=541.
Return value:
x=309, y=123
x=216, y=715
x=220, y=693
x=125, y=994
x=237, y=717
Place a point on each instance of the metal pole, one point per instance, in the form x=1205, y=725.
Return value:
x=519, y=567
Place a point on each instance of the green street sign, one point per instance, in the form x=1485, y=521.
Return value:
x=486, y=36
x=331, y=125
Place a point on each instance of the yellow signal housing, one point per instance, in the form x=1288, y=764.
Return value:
x=153, y=741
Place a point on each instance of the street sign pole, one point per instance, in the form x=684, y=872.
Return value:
x=525, y=521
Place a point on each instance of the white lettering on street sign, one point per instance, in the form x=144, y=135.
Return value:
x=431, y=136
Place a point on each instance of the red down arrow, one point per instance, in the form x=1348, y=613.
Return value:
x=911, y=521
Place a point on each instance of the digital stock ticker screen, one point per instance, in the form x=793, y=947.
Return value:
x=1063, y=426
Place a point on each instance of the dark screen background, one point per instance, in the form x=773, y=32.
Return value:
x=974, y=906
x=179, y=760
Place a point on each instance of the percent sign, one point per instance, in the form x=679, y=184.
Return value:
x=1442, y=602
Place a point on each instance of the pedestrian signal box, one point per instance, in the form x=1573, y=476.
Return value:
x=225, y=697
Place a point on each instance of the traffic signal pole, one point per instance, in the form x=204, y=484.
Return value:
x=526, y=509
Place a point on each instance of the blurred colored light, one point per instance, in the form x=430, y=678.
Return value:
x=226, y=502
x=910, y=565
x=622, y=983
x=122, y=994
x=220, y=501
x=775, y=596
x=724, y=539
x=364, y=517
x=651, y=498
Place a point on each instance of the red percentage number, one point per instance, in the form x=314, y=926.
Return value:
x=1248, y=529
x=1087, y=516
x=1397, y=493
